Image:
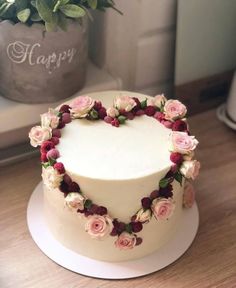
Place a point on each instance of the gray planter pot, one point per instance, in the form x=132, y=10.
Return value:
x=38, y=66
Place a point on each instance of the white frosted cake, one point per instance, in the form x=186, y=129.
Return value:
x=117, y=169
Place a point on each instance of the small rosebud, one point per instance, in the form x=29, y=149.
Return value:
x=65, y=109
x=46, y=146
x=59, y=167
x=66, y=118
x=53, y=154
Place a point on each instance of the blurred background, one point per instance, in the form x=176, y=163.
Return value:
x=185, y=49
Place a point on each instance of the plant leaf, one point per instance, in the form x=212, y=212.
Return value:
x=72, y=11
x=93, y=4
x=178, y=177
x=44, y=10
x=62, y=22
x=23, y=15
x=164, y=182
x=35, y=17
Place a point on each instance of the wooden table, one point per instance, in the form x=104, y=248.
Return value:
x=210, y=261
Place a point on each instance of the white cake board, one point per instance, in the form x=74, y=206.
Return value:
x=108, y=270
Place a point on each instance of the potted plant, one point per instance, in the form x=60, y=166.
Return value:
x=43, y=47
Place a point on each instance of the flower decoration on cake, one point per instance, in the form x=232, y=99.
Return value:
x=98, y=226
x=157, y=204
x=75, y=200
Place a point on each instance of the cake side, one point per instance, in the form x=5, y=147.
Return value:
x=140, y=208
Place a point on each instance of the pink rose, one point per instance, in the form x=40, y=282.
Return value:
x=81, y=106
x=51, y=177
x=124, y=103
x=182, y=142
x=75, y=201
x=190, y=169
x=125, y=241
x=143, y=216
x=189, y=195
x=162, y=208
x=98, y=226
x=112, y=112
x=174, y=109
x=158, y=101
x=39, y=134
x=50, y=119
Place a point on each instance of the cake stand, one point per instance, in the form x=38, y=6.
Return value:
x=108, y=270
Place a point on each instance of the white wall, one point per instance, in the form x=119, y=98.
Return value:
x=139, y=46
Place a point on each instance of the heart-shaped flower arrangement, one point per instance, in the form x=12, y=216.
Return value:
x=159, y=203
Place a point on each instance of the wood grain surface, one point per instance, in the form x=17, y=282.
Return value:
x=209, y=262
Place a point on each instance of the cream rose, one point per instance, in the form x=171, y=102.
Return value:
x=39, y=134
x=50, y=119
x=190, y=169
x=158, y=101
x=125, y=241
x=98, y=226
x=189, y=195
x=51, y=177
x=174, y=109
x=125, y=103
x=75, y=201
x=112, y=112
x=143, y=216
x=81, y=106
x=162, y=208
x=182, y=143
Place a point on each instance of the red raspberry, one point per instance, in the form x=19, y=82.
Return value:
x=179, y=125
x=55, y=140
x=102, y=113
x=66, y=118
x=74, y=187
x=115, y=122
x=44, y=157
x=108, y=119
x=101, y=210
x=139, y=112
x=98, y=105
x=59, y=167
x=136, y=226
x=56, y=133
x=176, y=158
x=159, y=116
x=67, y=179
x=150, y=110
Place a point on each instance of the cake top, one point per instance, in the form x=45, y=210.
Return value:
x=73, y=141
x=96, y=150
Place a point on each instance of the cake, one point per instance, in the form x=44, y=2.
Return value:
x=117, y=170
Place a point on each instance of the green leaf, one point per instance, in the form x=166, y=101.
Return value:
x=164, y=182
x=88, y=204
x=122, y=119
x=44, y=11
x=72, y=10
x=59, y=3
x=128, y=228
x=4, y=7
x=62, y=22
x=21, y=4
x=178, y=177
x=51, y=26
x=93, y=4
x=35, y=17
x=23, y=15
x=33, y=3
x=144, y=104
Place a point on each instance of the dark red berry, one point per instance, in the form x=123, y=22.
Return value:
x=115, y=122
x=55, y=140
x=176, y=158
x=114, y=232
x=67, y=179
x=98, y=105
x=146, y=202
x=129, y=115
x=59, y=167
x=108, y=119
x=61, y=124
x=139, y=240
x=139, y=112
x=138, y=104
x=93, y=208
x=166, y=192
x=150, y=110
x=133, y=218
x=101, y=210
x=65, y=109
x=154, y=194
x=74, y=187
x=179, y=125
x=136, y=226
x=66, y=118
x=64, y=187
x=102, y=113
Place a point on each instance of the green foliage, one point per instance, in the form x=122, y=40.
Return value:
x=52, y=13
